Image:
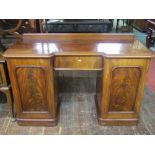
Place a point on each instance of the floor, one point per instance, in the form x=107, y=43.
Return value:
x=78, y=112
x=78, y=117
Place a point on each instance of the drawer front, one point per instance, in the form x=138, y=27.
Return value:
x=78, y=63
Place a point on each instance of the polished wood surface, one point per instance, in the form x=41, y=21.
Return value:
x=124, y=85
x=107, y=45
x=122, y=62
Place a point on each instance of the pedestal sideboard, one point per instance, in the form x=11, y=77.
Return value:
x=120, y=60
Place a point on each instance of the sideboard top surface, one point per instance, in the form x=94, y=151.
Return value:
x=105, y=44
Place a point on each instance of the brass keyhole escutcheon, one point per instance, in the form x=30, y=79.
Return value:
x=79, y=60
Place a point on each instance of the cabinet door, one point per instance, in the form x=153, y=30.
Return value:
x=32, y=82
x=123, y=88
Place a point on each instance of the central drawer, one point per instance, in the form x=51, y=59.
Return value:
x=78, y=63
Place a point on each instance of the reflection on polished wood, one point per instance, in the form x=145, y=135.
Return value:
x=122, y=62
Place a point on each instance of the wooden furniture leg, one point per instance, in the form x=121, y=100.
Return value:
x=148, y=38
x=41, y=25
x=46, y=23
x=7, y=91
x=5, y=86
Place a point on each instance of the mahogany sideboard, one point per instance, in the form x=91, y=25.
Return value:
x=120, y=60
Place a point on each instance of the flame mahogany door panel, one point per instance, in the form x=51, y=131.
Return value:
x=123, y=85
x=34, y=94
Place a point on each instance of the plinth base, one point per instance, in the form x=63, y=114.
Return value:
x=37, y=122
x=114, y=121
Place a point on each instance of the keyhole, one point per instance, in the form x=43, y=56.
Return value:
x=79, y=60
